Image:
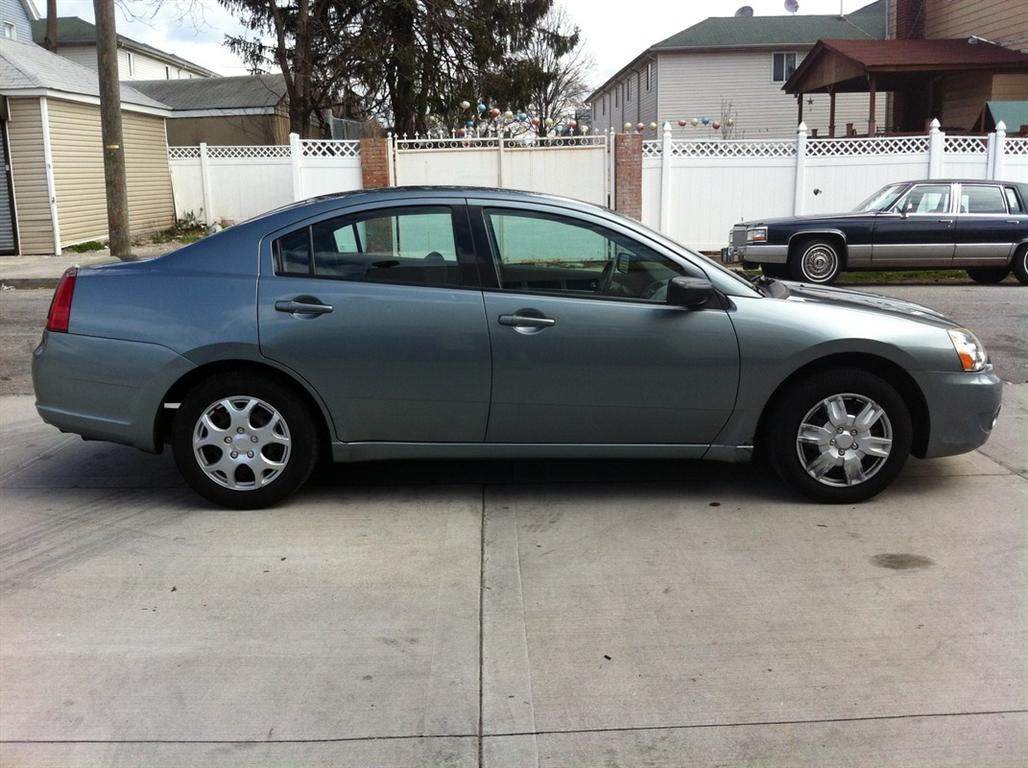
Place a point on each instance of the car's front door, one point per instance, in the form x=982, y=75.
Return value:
x=375, y=309
x=918, y=231
x=986, y=230
x=585, y=348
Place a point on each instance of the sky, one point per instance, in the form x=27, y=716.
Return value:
x=612, y=36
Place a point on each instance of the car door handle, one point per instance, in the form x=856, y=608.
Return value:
x=295, y=307
x=1013, y=221
x=526, y=321
x=945, y=221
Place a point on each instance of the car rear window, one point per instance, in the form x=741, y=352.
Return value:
x=981, y=199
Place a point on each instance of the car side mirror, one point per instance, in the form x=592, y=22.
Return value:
x=689, y=292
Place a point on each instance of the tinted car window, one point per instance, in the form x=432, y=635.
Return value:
x=400, y=245
x=552, y=254
x=926, y=198
x=975, y=199
x=1013, y=202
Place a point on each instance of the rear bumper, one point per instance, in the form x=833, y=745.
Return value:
x=963, y=408
x=104, y=389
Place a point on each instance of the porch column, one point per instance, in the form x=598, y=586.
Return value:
x=871, y=106
x=831, y=113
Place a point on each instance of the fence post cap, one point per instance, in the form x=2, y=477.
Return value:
x=1001, y=126
x=935, y=124
x=667, y=126
x=801, y=128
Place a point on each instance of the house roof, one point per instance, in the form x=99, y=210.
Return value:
x=243, y=92
x=26, y=68
x=742, y=32
x=71, y=30
x=745, y=31
x=898, y=58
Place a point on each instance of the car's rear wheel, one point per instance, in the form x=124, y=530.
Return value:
x=839, y=436
x=244, y=442
x=775, y=270
x=815, y=261
x=988, y=275
x=1020, y=265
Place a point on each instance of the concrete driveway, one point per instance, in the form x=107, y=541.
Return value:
x=510, y=614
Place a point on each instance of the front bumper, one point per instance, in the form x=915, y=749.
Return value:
x=962, y=408
x=104, y=389
x=758, y=253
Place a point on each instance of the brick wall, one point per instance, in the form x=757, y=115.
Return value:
x=628, y=174
x=375, y=163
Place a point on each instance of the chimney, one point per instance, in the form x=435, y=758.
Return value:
x=910, y=19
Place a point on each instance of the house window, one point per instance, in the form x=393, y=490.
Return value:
x=131, y=64
x=617, y=95
x=167, y=73
x=649, y=75
x=10, y=31
x=782, y=66
x=604, y=104
x=628, y=89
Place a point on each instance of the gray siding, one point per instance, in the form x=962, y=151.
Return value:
x=13, y=11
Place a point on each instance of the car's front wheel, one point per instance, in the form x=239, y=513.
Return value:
x=988, y=275
x=839, y=436
x=815, y=261
x=244, y=442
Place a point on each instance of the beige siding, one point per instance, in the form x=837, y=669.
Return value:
x=79, y=173
x=25, y=131
x=1010, y=87
x=228, y=129
x=144, y=67
x=963, y=99
x=693, y=84
x=1002, y=21
x=151, y=205
x=77, y=152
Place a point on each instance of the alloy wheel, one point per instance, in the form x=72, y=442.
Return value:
x=241, y=442
x=844, y=440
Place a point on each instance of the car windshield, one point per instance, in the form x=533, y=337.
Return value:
x=882, y=199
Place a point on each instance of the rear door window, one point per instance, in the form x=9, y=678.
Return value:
x=981, y=199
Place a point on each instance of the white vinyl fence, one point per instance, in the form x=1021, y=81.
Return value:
x=694, y=191
x=232, y=183
x=575, y=166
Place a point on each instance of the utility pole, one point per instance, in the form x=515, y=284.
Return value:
x=110, y=125
x=51, y=26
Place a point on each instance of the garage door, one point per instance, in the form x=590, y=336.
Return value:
x=7, y=242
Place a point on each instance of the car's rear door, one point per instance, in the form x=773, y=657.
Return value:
x=585, y=349
x=918, y=231
x=380, y=312
x=986, y=230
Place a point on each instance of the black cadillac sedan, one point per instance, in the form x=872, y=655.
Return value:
x=980, y=226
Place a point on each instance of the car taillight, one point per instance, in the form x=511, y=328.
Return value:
x=60, y=308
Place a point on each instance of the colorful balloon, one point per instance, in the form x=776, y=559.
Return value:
x=694, y=122
x=715, y=125
x=465, y=105
x=628, y=126
x=653, y=126
x=535, y=121
x=508, y=115
x=549, y=122
x=705, y=120
x=572, y=123
x=682, y=123
x=480, y=107
x=522, y=117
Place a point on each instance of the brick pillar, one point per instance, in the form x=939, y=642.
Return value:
x=375, y=163
x=628, y=160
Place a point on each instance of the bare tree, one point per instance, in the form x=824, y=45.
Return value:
x=559, y=64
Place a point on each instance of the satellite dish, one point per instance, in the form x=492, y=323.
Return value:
x=792, y=6
x=744, y=13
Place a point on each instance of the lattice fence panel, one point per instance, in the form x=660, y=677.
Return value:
x=255, y=152
x=653, y=148
x=330, y=148
x=183, y=153
x=967, y=145
x=1016, y=147
x=867, y=147
x=733, y=148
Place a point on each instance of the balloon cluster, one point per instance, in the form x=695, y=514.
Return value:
x=706, y=121
x=494, y=119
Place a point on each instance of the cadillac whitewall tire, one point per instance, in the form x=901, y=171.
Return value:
x=1020, y=265
x=815, y=261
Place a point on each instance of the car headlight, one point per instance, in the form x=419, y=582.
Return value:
x=756, y=235
x=970, y=351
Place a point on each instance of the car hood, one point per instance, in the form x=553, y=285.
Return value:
x=802, y=219
x=817, y=294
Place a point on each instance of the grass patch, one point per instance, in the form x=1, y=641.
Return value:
x=88, y=247
x=912, y=276
x=186, y=230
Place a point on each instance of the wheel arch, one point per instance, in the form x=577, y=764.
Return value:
x=888, y=370
x=835, y=235
x=178, y=390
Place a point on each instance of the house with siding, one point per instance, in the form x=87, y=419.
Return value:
x=76, y=40
x=16, y=17
x=741, y=61
x=51, y=141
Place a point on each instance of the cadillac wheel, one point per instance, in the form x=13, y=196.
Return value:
x=815, y=261
x=243, y=443
x=840, y=436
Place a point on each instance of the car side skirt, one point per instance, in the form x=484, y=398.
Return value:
x=379, y=451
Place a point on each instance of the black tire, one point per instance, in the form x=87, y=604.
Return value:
x=988, y=275
x=299, y=427
x=1020, y=265
x=815, y=260
x=783, y=449
x=776, y=271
